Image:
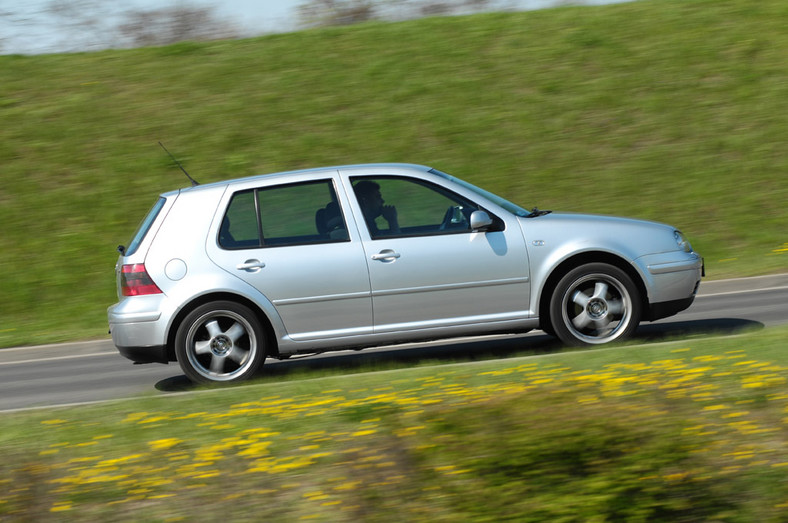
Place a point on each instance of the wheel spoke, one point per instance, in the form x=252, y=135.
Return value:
x=582, y=320
x=213, y=328
x=601, y=325
x=616, y=307
x=235, y=332
x=600, y=290
x=238, y=355
x=581, y=299
x=202, y=347
x=217, y=364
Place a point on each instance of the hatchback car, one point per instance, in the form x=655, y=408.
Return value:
x=221, y=276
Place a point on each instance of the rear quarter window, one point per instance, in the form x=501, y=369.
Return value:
x=144, y=227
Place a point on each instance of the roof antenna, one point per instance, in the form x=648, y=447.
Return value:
x=194, y=182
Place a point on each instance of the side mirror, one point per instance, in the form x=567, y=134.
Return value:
x=480, y=221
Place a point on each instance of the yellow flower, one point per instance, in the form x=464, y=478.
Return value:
x=363, y=433
x=164, y=444
x=61, y=506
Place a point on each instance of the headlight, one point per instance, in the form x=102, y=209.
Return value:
x=682, y=242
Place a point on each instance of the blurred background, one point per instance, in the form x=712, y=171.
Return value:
x=56, y=26
x=665, y=110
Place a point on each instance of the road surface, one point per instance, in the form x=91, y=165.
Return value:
x=72, y=373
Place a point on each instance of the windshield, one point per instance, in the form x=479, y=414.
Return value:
x=502, y=202
x=144, y=226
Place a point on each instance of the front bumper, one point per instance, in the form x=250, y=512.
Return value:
x=673, y=280
x=156, y=354
x=671, y=276
x=657, y=311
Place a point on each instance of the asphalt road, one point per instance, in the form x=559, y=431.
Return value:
x=71, y=373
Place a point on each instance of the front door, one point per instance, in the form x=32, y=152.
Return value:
x=427, y=268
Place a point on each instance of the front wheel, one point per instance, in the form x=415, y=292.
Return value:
x=220, y=342
x=593, y=304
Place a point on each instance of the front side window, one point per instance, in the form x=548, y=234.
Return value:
x=395, y=206
x=293, y=214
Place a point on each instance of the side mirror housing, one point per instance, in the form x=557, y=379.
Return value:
x=480, y=221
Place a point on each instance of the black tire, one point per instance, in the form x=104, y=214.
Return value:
x=220, y=341
x=547, y=328
x=594, y=304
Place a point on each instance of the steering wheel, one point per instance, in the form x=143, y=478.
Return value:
x=454, y=218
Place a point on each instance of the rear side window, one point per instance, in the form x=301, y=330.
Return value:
x=144, y=227
x=282, y=215
x=240, y=226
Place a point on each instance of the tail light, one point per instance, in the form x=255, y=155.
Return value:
x=135, y=281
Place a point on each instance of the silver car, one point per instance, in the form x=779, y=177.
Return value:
x=221, y=276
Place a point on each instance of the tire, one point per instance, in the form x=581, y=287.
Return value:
x=594, y=304
x=221, y=341
x=547, y=328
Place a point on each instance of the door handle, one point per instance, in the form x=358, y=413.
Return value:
x=386, y=255
x=250, y=266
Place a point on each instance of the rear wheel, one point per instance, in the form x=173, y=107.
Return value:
x=221, y=341
x=593, y=304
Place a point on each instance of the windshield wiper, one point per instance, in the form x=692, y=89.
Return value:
x=535, y=212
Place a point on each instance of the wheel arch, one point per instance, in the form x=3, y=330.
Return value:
x=272, y=348
x=560, y=270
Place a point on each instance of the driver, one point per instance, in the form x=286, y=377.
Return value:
x=372, y=205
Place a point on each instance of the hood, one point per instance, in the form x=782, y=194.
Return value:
x=614, y=234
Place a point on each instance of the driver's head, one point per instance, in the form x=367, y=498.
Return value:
x=369, y=198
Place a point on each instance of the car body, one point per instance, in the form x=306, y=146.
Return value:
x=220, y=276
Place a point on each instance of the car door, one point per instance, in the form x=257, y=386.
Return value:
x=427, y=267
x=291, y=241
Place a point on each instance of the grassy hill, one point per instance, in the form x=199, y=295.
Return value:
x=669, y=110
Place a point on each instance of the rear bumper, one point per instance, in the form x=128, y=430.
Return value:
x=139, y=329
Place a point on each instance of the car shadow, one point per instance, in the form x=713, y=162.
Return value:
x=451, y=351
x=665, y=330
x=396, y=356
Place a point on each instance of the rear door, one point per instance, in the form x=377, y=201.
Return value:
x=292, y=242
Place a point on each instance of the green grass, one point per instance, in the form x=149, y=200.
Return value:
x=682, y=431
x=670, y=110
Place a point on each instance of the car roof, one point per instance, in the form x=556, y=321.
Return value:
x=295, y=173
